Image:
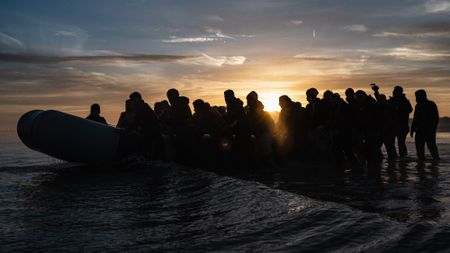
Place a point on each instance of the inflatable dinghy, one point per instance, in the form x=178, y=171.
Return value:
x=68, y=137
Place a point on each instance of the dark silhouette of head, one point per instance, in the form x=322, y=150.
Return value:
x=328, y=95
x=360, y=96
x=252, y=95
x=311, y=94
x=199, y=105
x=135, y=96
x=421, y=96
x=164, y=104
x=173, y=95
x=161, y=107
x=398, y=91
x=157, y=106
x=184, y=100
x=221, y=109
x=349, y=94
x=252, y=98
x=229, y=96
x=95, y=109
x=284, y=101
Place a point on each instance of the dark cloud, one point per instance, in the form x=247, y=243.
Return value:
x=433, y=26
x=317, y=58
x=60, y=83
x=50, y=59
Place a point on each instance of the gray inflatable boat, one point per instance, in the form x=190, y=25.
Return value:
x=68, y=137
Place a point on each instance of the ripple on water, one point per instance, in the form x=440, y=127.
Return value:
x=165, y=207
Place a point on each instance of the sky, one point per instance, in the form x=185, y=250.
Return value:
x=66, y=55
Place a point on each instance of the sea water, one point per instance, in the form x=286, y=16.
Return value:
x=48, y=205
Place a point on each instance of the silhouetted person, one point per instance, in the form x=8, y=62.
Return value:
x=368, y=127
x=386, y=122
x=318, y=116
x=352, y=107
x=181, y=128
x=261, y=125
x=350, y=96
x=221, y=109
x=145, y=117
x=337, y=125
x=235, y=108
x=207, y=123
x=95, y=114
x=313, y=104
x=147, y=127
x=161, y=108
x=328, y=104
x=207, y=120
x=236, y=136
x=401, y=108
x=291, y=137
x=127, y=118
x=162, y=111
x=253, y=103
x=235, y=116
x=349, y=114
x=180, y=112
x=130, y=136
x=387, y=126
x=425, y=122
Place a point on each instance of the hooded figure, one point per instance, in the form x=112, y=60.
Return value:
x=425, y=122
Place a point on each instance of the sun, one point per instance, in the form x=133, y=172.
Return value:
x=270, y=101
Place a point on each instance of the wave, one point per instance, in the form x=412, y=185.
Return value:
x=155, y=206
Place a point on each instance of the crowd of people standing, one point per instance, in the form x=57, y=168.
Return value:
x=351, y=129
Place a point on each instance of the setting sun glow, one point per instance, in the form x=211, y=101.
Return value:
x=270, y=101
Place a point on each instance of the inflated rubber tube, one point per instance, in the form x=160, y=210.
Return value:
x=68, y=137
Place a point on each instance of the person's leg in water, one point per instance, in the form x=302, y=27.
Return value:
x=401, y=140
x=431, y=144
x=389, y=144
x=420, y=145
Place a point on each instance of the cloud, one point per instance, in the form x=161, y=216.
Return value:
x=413, y=35
x=218, y=33
x=71, y=90
x=315, y=58
x=62, y=86
x=355, y=28
x=66, y=33
x=436, y=6
x=293, y=22
x=52, y=59
x=213, y=35
x=214, y=18
x=429, y=29
x=218, y=61
x=415, y=54
x=123, y=60
x=43, y=36
x=246, y=35
x=175, y=39
x=10, y=41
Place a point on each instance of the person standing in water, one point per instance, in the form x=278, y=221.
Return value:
x=425, y=122
x=401, y=108
x=95, y=114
